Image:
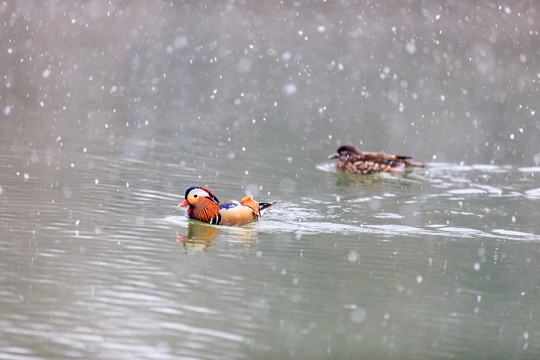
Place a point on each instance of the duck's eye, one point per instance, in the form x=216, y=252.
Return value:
x=195, y=196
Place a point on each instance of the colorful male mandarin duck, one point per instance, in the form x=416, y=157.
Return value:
x=204, y=206
x=350, y=159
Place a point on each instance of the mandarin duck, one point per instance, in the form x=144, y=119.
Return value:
x=352, y=160
x=204, y=206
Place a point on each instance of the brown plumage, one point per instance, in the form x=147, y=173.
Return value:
x=352, y=160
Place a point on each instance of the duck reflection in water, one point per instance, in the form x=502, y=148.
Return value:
x=201, y=236
x=380, y=179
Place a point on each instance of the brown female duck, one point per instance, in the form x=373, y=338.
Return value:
x=352, y=160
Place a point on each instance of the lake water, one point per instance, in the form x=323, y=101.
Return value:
x=109, y=111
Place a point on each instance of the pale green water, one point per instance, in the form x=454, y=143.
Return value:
x=111, y=111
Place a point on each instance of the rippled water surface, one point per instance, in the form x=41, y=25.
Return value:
x=109, y=112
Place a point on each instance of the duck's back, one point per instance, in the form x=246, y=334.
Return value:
x=372, y=162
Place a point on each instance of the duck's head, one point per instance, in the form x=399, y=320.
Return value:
x=194, y=194
x=345, y=151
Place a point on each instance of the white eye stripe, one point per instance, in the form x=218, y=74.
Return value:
x=196, y=193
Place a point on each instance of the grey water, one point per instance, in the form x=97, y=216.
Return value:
x=110, y=110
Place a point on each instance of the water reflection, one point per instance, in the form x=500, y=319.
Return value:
x=346, y=179
x=201, y=236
